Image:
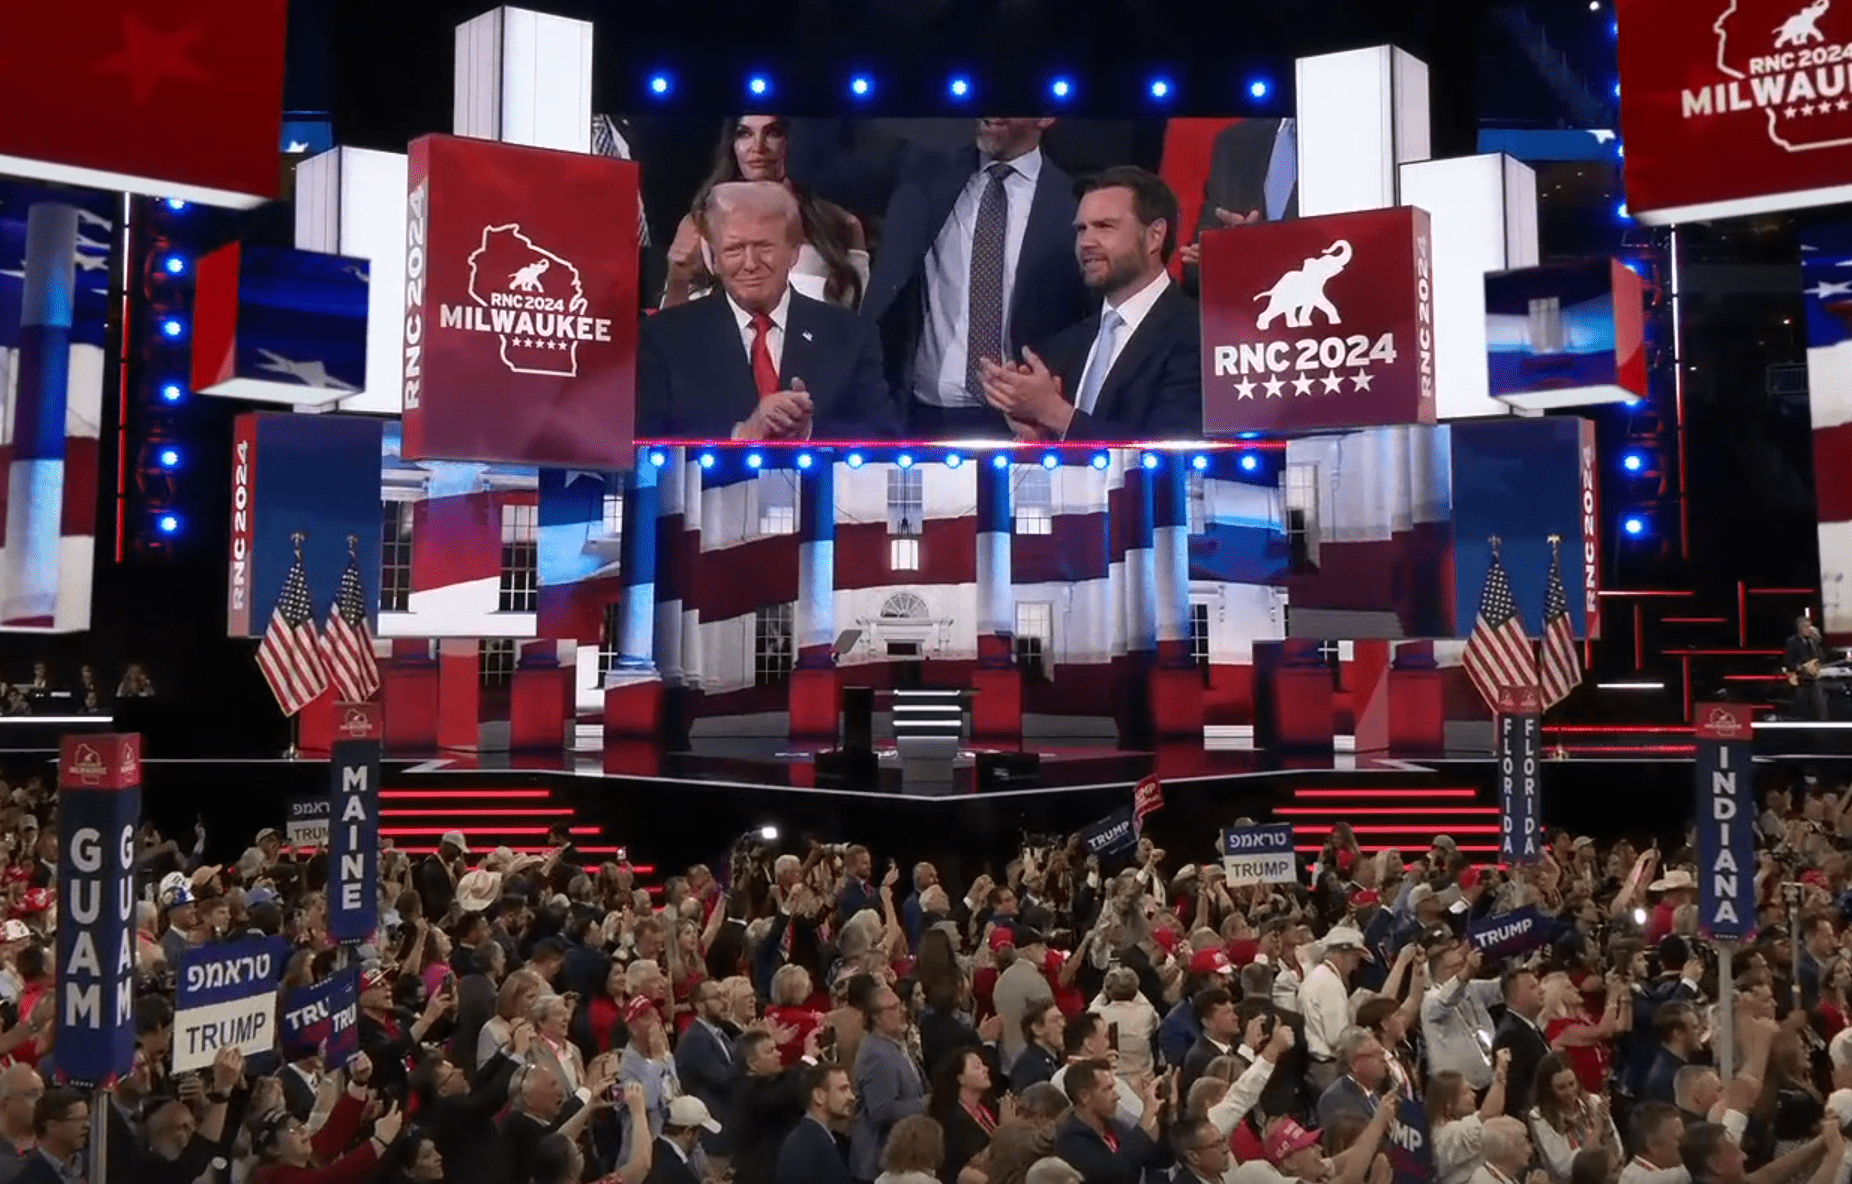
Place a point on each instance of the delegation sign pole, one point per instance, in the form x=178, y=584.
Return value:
x=353, y=823
x=1520, y=773
x=99, y=805
x=1725, y=813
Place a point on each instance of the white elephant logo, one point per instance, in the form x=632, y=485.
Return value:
x=1804, y=26
x=1302, y=290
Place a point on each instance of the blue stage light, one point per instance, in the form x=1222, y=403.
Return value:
x=1050, y=460
x=1160, y=88
x=1633, y=462
x=1634, y=526
x=707, y=460
x=1101, y=460
x=171, y=392
x=171, y=328
x=1199, y=462
x=174, y=203
x=1617, y=88
x=167, y=523
x=959, y=87
x=754, y=460
x=1151, y=460
x=1620, y=211
x=660, y=85
x=861, y=86
x=1260, y=88
x=658, y=459
x=803, y=460
x=1249, y=462
x=169, y=457
x=758, y=86
x=904, y=460
x=1061, y=88
x=953, y=460
x=1247, y=435
x=173, y=265
x=1000, y=461
x=853, y=460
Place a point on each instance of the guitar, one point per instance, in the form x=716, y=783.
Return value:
x=1809, y=670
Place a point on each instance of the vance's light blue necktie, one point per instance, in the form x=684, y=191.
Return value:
x=1282, y=170
x=1095, y=377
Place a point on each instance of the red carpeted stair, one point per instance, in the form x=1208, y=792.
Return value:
x=514, y=818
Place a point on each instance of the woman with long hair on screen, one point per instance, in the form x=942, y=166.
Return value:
x=832, y=263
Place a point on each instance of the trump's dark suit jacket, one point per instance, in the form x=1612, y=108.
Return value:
x=694, y=380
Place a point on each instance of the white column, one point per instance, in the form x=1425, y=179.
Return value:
x=351, y=201
x=1362, y=114
x=524, y=78
x=1483, y=212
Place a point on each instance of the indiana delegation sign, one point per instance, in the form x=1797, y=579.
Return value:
x=1318, y=323
x=1733, y=107
x=520, y=305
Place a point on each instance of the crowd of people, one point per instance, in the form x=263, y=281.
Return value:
x=814, y=1016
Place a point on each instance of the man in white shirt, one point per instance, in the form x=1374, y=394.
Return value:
x=1324, y=1001
x=1455, y=1021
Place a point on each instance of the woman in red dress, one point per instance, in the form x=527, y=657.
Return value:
x=1577, y=1035
x=790, y=1013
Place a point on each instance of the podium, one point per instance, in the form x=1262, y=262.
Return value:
x=929, y=726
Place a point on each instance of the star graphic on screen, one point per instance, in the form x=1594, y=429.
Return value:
x=1361, y=380
x=1302, y=385
x=1844, y=104
x=1334, y=382
x=1245, y=388
x=1789, y=112
x=1825, y=288
x=1806, y=108
x=1274, y=387
x=148, y=57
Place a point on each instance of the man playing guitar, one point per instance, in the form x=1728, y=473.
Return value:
x=1805, y=658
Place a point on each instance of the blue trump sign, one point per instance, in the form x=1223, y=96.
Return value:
x=99, y=803
x=1411, y=1148
x=1259, y=854
x=1509, y=934
x=1111, y=834
x=226, y=997
x=323, y=1017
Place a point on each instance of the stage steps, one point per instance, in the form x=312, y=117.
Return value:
x=1407, y=819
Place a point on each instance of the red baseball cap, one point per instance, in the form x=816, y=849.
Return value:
x=1366, y=897
x=1167, y=939
x=1817, y=878
x=638, y=1007
x=374, y=978
x=1211, y=961
x=1287, y=1137
x=1243, y=950
x=1469, y=878
x=36, y=900
x=1002, y=938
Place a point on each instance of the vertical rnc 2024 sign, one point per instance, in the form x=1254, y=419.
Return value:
x=353, y=823
x=1520, y=739
x=1726, y=820
x=99, y=803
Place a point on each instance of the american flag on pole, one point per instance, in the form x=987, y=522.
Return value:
x=1498, y=654
x=1561, y=664
x=290, y=655
x=347, y=642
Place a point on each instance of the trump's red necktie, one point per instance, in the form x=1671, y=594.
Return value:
x=764, y=370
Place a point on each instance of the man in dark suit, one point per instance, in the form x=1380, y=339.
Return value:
x=758, y=361
x=1042, y=1029
x=1132, y=370
x=811, y=1153
x=1362, y=1066
x=705, y=1063
x=1805, y=655
x=976, y=261
x=1221, y=1022
x=768, y=1102
x=61, y=1124
x=1519, y=1032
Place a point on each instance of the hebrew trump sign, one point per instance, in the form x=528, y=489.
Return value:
x=1733, y=107
x=1318, y=323
x=520, y=305
x=226, y=998
x=99, y=802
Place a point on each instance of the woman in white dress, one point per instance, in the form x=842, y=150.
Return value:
x=832, y=263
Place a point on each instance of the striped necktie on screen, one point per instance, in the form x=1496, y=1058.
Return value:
x=1282, y=170
x=984, y=338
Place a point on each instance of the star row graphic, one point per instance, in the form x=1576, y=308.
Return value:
x=1275, y=388
x=1821, y=108
x=540, y=343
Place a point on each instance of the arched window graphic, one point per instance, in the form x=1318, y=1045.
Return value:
x=904, y=606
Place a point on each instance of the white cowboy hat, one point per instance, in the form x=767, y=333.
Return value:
x=1673, y=880
x=478, y=889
